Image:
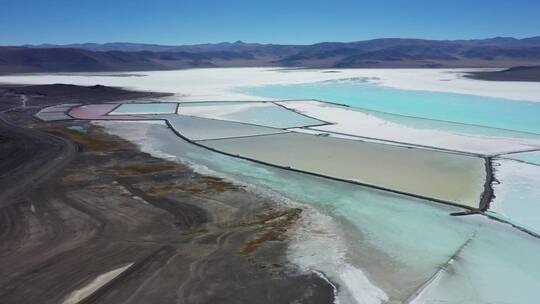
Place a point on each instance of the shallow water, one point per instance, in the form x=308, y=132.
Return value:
x=98, y=111
x=532, y=157
x=414, y=131
x=445, y=176
x=517, y=196
x=398, y=242
x=257, y=113
x=460, y=108
x=197, y=128
x=496, y=266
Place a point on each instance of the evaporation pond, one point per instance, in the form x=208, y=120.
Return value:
x=258, y=113
x=145, y=108
x=461, y=108
x=196, y=128
x=438, y=175
x=532, y=157
x=417, y=131
x=517, y=196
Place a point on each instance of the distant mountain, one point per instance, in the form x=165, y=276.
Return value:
x=20, y=59
x=23, y=59
x=370, y=44
x=376, y=53
x=115, y=46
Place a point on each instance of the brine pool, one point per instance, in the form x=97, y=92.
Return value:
x=461, y=108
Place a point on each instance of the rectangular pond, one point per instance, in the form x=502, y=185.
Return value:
x=196, y=128
x=258, y=113
x=517, y=195
x=145, y=108
x=532, y=157
x=99, y=111
x=414, y=131
x=461, y=108
x=438, y=175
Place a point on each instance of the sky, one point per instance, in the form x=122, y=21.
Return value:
x=263, y=21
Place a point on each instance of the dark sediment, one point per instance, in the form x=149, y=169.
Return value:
x=525, y=73
x=487, y=195
x=76, y=205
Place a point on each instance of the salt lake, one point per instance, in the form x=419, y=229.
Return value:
x=378, y=246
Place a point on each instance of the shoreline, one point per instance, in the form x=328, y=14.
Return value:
x=312, y=226
x=485, y=198
x=123, y=205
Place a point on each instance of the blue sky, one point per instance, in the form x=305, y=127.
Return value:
x=265, y=21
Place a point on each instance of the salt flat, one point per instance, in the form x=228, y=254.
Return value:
x=389, y=244
x=218, y=84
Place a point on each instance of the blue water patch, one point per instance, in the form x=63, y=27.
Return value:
x=213, y=103
x=532, y=157
x=79, y=129
x=198, y=128
x=268, y=115
x=275, y=117
x=461, y=108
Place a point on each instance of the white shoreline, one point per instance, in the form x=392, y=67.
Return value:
x=331, y=259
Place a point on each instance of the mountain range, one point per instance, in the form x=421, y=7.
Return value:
x=376, y=53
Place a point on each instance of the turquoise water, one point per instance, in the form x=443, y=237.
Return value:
x=275, y=116
x=517, y=197
x=197, y=128
x=400, y=242
x=213, y=103
x=429, y=124
x=496, y=266
x=470, y=109
x=269, y=115
x=532, y=157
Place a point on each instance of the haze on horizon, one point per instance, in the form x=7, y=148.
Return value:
x=281, y=22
